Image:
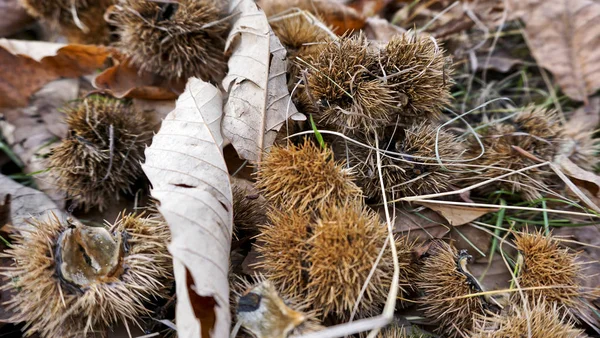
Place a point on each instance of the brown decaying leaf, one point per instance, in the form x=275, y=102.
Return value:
x=564, y=37
x=334, y=13
x=14, y=17
x=125, y=80
x=585, y=118
x=41, y=62
x=31, y=131
x=259, y=102
x=582, y=178
x=189, y=178
x=422, y=224
x=456, y=214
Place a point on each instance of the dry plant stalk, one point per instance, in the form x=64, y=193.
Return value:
x=70, y=280
x=81, y=21
x=174, y=39
x=444, y=286
x=101, y=157
x=266, y=313
x=304, y=177
x=546, y=264
x=542, y=320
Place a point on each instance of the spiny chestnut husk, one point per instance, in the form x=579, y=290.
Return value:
x=443, y=281
x=547, y=265
x=81, y=21
x=416, y=69
x=340, y=90
x=283, y=247
x=417, y=172
x=299, y=34
x=328, y=261
x=174, y=39
x=101, y=156
x=544, y=319
x=304, y=177
x=266, y=313
x=248, y=212
x=71, y=280
x=509, y=146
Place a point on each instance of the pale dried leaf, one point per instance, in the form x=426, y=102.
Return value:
x=189, y=178
x=32, y=131
x=259, y=102
x=26, y=204
x=457, y=214
x=564, y=37
x=584, y=119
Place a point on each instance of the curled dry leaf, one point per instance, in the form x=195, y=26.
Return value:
x=41, y=62
x=189, y=178
x=457, y=214
x=125, y=80
x=259, y=102
x=582, y=178
x=564, y=37
x=32, y=131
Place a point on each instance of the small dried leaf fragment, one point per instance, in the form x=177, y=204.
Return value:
x=190, y=180
x=564, y=37
x=15, y=18
x=259, y=102
x=125, y=80
x=582, y=178
x=456, y=214
x=41, y=62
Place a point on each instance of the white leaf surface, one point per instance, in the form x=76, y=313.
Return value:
x=259, y=102
x=189, y=178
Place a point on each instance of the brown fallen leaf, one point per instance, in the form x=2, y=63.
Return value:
x=381, y=30
x=41, y=62
x=458, y=214
x=418, y=224
x=564, y=37
x=585, y=118
x=14, y=17
x=333, y=13
x=369, y=7
x=125, y=80
x=582, y=178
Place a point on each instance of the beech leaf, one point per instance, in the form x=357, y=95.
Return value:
x=456, y=214
x=259, y=102
x=189, y=178
x=564, y=37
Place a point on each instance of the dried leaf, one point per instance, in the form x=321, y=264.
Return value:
x=259, y=102
x=584, y=119
x=333, y=13
x=189, y=177
x=26, y=203
x=41, y=62
x=381, y=30
x=418, y=224
x=125, y=80
x=458, y=214
x=32, y=131
x=582, y=178
x=14, y=17
x=564, y=37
